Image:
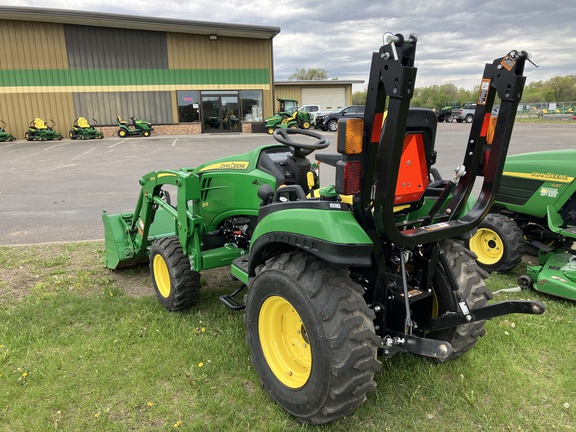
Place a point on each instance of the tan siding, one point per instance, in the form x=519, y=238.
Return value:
x=289, y=92
x=187, y=51
x=32, y=45
x=26, y=107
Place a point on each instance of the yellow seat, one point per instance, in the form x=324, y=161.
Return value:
x=83, y=123
x=40, y=124
x=121, y=121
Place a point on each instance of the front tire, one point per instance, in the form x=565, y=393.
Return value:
x=499, y=243
x=311, y=337
x=177, y=286
x=471, y=287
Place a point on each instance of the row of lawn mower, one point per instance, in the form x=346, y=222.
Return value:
x=38, y=130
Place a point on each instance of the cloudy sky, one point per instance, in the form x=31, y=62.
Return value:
x=455, y=37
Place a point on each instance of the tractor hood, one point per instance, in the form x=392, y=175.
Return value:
x=553, y=165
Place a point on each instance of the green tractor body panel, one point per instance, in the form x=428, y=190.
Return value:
x=325, y=229
x=533, y=181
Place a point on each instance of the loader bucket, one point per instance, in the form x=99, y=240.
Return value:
x=119, y=251
x=119, y=239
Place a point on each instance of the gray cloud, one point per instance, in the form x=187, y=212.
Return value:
x=456, y=37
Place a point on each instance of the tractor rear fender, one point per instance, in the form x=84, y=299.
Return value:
x=325, y=229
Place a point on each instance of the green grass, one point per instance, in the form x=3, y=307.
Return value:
x=83, y=348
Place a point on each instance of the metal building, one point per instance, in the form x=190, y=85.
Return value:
x=183, y=76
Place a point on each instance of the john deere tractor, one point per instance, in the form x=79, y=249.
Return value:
x=329, y=288
x=535, y=212
x=288, y=117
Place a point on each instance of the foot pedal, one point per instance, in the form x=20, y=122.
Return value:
x=230, y=302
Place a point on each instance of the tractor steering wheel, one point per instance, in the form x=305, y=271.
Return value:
x=301, y=149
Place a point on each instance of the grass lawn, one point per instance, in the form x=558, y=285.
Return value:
x=84, y=348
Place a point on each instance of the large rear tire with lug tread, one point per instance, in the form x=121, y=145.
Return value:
x=499, y=243
x=177, y=286
x=471, y=287
x=311, y=337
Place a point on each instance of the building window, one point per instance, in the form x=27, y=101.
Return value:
x=251, y=105
x=188, y=106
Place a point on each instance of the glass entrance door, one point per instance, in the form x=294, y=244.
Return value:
x=220, y=113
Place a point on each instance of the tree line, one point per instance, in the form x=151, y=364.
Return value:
x=557, y=89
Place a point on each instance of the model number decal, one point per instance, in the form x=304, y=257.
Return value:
x=549, y=192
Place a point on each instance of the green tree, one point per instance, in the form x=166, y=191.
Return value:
x=311, y=74
x=359, y=98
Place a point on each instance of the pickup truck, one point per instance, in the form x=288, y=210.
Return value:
x=464, y=113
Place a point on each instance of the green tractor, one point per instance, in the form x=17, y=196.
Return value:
x=328, y=286
x=535, y=212
x=445, y=113
x=288, y=117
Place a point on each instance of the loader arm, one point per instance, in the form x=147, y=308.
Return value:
x=129, y=235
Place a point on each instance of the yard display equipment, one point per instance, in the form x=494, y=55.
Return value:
x=39, y=131
x=4, y=135
x=139, y=127
x=534, y=211
x=327, y=286
x=81, y=129
x=288, y=117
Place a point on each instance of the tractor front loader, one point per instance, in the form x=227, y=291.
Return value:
x=328, y=285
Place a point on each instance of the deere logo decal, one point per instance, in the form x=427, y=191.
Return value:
x=240, y=166
x=535, y=175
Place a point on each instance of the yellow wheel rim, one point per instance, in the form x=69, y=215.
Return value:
x=284, y=342
x=487, y=245
x=270, y=131
x=306, y=125
x=161, y=276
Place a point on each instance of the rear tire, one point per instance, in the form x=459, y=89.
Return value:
x=311, y=337
x=469, y=118
x=177, y=286
x=471, y=287
x=122, y=133
x=499, y=243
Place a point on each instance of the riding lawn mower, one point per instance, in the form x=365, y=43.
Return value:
x=139, y=127
x=4, y=135
x=39, y=131
x=327, y=287
x=81, y=129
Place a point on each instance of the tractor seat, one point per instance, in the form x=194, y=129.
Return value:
x=40, y=124
x=83, y=123
x=121, y=121
x=288, y=119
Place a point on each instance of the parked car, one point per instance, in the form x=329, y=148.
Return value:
x=330, y=120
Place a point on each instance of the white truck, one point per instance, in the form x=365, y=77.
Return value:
x=313, y=109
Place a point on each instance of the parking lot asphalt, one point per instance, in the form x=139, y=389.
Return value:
x=55, y=191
